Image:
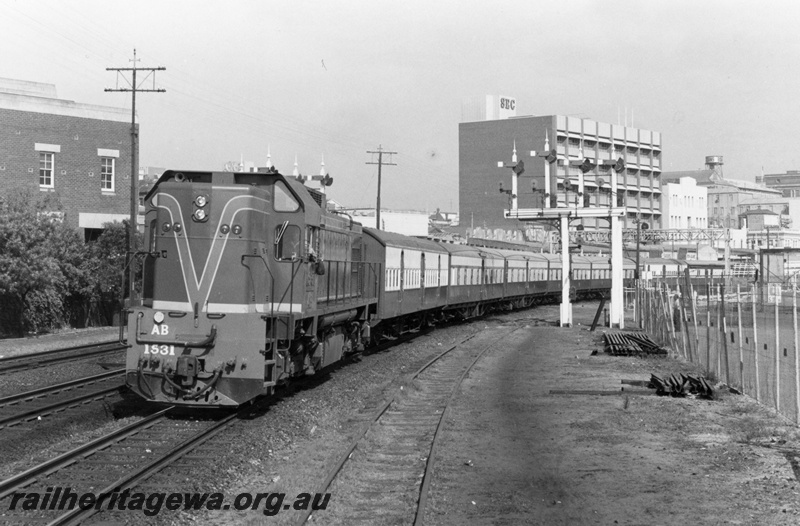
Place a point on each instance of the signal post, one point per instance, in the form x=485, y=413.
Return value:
x=550, y=211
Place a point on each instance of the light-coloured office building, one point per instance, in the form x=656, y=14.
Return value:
x=684, y=204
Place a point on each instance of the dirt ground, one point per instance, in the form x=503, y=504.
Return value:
x=513, y=453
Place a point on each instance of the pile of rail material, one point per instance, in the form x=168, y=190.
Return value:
x=631, y=344
x=681, y=385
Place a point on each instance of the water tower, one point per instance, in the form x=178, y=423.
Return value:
x=714, y=162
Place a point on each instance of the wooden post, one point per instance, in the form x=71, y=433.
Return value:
x=667, y=304
x=755, y=342
x=796, y=357
x=708, y=327
x=669, y=332
x=694, y=320
x=723, y=327
x=739, y=324
x=719, y=328
x=777, y=359
x=687, y=338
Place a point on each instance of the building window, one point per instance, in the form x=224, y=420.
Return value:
x=107, y=174
x=46, y=161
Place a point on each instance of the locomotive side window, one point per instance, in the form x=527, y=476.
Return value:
x=284, y=201
x=287, y=242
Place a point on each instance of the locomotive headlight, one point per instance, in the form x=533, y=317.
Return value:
x=200, y=214
x=200, y=201
x=165, y=227
x=237, y=229
x=224, y=229
x=158, y=317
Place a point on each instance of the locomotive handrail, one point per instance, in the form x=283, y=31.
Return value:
x=339, y=212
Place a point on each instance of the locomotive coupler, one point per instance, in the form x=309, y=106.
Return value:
x=187, y=369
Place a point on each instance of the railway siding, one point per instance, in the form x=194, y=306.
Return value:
x=48, y=342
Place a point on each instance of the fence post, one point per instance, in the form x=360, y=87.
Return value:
x=741, y=348
x=777, y=359
x=708, y=327
x=687, y=338
x=755, y=341
x=667, y=305
x=719, y=329
x=796, y=357
x=694, y=320
x=723, y=327
x=665, y=317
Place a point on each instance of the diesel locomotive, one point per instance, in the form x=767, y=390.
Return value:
x=249, y=281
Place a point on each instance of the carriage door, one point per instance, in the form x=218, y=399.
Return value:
x=483, y=279
x=422, y=279
x=527, y=274
x=402, y=277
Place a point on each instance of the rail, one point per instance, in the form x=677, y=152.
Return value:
x=27, y=406
x=411, y=422
x=111, y=463
x=44, y=358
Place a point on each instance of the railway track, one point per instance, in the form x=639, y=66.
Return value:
x=19, y=408
x=12, y=364
x=383, y=477
x=113, y=463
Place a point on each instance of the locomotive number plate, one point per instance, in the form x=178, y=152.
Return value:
x=165, y=350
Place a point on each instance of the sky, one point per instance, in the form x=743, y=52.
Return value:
x=336, y=79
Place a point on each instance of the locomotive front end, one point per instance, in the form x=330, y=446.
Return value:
x=196, y=337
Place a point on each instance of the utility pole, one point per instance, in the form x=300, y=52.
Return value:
x=380, y=163
x=133, y=88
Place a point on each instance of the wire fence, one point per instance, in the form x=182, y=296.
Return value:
x=744, y=334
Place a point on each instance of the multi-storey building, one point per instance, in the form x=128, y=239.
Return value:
x=788, y=183
x=684, y=205
x=485, y=143
x=79, y=153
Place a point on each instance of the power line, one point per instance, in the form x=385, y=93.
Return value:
x=380, y=163
x=134, y=88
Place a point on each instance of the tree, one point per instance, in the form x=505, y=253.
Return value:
x=37, y=252
x=104, y=263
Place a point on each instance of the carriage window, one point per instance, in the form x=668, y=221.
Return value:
x=284, y=200
x=287, y=242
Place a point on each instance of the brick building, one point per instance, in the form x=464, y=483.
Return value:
x=483, y=144
x=80, y=153
x=788, y=182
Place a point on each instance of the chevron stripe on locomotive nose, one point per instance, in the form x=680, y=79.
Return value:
x=198, y=290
